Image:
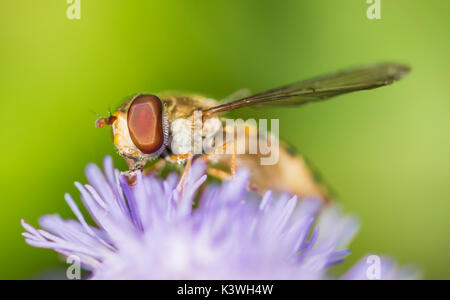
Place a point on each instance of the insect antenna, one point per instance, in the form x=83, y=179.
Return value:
x=101, y=121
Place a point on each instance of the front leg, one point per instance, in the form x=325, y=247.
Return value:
x=156, y=167
x=187, y=158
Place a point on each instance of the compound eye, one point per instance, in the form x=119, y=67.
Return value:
x=145, y=123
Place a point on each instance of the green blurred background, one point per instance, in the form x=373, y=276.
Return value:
x=385, y=152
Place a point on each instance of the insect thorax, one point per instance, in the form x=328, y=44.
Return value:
x=191, y=135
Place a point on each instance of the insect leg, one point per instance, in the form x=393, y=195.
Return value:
x=222, y=175
x=185, y=172
x=178, y=158
x=219, y=150
x=233, y=160
x=154, y=168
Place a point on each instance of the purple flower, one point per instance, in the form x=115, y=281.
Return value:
x=151, y=230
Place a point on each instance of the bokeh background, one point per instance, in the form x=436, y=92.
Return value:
x=386, y=152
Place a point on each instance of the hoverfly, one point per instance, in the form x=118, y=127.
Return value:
x=145, y=125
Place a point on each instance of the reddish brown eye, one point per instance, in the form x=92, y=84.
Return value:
x=145, y=123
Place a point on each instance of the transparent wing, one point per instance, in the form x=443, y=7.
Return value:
x=321, y=88
x=239, y=94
